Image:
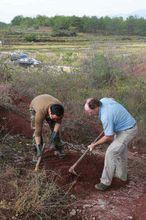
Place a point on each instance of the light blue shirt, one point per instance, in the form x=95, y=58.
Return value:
x=114, y=117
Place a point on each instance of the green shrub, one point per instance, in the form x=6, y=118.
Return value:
x=31, y=37
x=63, y=33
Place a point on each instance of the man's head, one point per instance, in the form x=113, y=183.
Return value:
x=56, y=112
x=92, y=106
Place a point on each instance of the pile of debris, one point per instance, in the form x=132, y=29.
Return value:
x=23, y=59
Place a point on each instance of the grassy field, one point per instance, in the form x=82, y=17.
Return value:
x=72, y=51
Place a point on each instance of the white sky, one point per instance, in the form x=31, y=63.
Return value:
x=11, y=8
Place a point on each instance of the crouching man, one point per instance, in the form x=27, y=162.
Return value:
x=47, y=108
x=119, y=128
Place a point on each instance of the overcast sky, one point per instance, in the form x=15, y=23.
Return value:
x=11, y=8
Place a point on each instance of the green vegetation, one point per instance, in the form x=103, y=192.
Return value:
x=103, y=25
x=54, y=29
x=117, y=25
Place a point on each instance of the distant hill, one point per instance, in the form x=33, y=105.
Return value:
x=138, y=13
x=2, y=24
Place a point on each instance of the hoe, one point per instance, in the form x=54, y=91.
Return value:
x=71, y=169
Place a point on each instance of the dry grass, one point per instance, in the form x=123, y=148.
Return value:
x=25, y=194
x=41, y=197
x=32, y=196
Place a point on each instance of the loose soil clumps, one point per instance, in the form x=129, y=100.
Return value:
x=88, y=170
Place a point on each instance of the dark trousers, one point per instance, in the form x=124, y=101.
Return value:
x=51, y=124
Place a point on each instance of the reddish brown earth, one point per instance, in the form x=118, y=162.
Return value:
x=13, y=123
x=15, y=118
x=89, y=171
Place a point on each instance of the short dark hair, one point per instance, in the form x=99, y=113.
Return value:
x=57, y=109
x=94, y=103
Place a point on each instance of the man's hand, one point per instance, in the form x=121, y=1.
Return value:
x=91, y=146
x=54, y=137
x=38, y=149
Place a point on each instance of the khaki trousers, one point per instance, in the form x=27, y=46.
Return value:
x=115, y=163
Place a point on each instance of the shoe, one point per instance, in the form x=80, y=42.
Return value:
x=37, y=150
x=101, y=187
x=34, y=160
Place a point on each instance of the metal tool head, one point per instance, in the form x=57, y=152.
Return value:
x=72, y=171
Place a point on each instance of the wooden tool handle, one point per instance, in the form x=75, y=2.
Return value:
x=76, y=163
x=86, y=151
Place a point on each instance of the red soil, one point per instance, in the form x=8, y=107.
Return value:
x=16, y=119
x=140, y=213
x=14, y=124
x=89, y=171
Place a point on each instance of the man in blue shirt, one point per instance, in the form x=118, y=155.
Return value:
x=119, y=128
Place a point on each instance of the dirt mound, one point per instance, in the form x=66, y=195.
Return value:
x=13, y=123
x=14, y=118
x=89, y=171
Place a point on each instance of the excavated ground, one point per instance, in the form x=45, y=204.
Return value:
x=88, y=170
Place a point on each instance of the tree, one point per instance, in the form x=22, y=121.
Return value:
x=42, y=21
x=131, y=25
x=17, y=20
x=90, y=24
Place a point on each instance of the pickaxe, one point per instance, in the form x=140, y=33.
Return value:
x=39, y=159
x=71, y=169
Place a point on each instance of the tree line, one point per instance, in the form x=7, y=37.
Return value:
x=103, y=25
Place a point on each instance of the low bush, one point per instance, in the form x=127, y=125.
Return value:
x=41, y=198
x=64, y=33
x=31, y=37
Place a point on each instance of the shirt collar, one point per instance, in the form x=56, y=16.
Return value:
x=99, y=112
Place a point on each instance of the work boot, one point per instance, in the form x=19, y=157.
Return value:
x=36, y=148
x=34, y=160
x=101, y=187
x=39, y=150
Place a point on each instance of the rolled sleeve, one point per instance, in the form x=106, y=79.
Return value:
x=108, y=127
